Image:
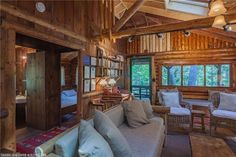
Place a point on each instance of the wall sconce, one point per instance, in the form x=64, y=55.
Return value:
x=217, y=8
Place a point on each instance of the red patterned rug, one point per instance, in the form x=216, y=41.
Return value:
x=27, y=146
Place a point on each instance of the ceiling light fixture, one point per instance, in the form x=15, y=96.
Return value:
x=227, y=28
x=160, y=35
x=131, y=39
x=219, y=22
x=216, y=8
x=187, y=33
x=40, y=7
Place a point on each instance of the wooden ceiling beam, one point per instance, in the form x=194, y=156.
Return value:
x=184, y=25
x=128, y=14
x=166, y=13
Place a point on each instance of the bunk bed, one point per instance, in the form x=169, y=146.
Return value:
x=68, y=101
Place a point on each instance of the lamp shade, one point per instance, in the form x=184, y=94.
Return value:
x=103, y=83
x=217, y=8
x=219, y=21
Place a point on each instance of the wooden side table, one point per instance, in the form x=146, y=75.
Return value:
x=97, y=103
x=200, y=114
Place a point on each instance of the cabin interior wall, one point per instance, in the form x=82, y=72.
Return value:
x=74, y=16
x=177, y=49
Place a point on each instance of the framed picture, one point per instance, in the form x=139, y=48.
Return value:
x=93, y=72
x=86, y=72
x=93, y=84
x=93, y=61
x=86, y=86
x=86, y=60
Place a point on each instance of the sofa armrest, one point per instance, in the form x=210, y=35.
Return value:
x=52, y=155
x=48, y=147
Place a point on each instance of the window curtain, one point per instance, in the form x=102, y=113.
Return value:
x=62, y=76
x=76, y=76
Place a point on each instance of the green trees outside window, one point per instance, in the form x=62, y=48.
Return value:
x=215, y=75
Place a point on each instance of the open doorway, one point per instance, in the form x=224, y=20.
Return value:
x=38, y=92
x=141, y=78
x=69, y=87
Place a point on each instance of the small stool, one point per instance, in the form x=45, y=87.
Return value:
x=200, y=114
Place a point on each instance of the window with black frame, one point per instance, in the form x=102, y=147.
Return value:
x=210, y=75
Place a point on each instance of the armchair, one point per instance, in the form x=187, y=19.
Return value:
x=180, y=113
x=221, y=117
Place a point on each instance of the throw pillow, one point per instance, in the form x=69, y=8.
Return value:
x=227, y=102
x=171, y=99
x=112, y=135
x=91, y=143
x=134, y=113
x=147, y=108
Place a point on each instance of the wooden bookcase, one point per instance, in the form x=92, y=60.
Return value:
x=107, y=66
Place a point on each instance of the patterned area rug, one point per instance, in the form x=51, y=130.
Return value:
x=27, y=146
x=207, y=146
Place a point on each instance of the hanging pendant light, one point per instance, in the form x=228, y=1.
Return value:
x=219, y=21
x=217, y=8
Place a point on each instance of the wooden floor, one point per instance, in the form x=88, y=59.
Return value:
x=25, y=132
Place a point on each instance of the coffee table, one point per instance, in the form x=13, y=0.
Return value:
x=207, y=146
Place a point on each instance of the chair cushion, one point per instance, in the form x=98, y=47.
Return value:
x=67, y=145
x=147, y=140
x=147, y=108
x=134, y=113
x=224, y=114
x=180, y=111
x=227, y=102
x=91, y=143
x=112, y=135
x=170, y=99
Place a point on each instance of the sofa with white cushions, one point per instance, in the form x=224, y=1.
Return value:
x=144, y=141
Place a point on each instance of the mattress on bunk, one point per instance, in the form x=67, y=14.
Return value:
x=68, y=100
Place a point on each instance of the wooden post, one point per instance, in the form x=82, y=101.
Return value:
x=7, y=88
x=80, y=86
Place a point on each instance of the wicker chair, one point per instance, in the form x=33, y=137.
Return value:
x=178, y=121
x=219, y=121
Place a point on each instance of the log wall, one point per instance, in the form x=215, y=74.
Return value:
x=174, y=48
x=176, y=41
